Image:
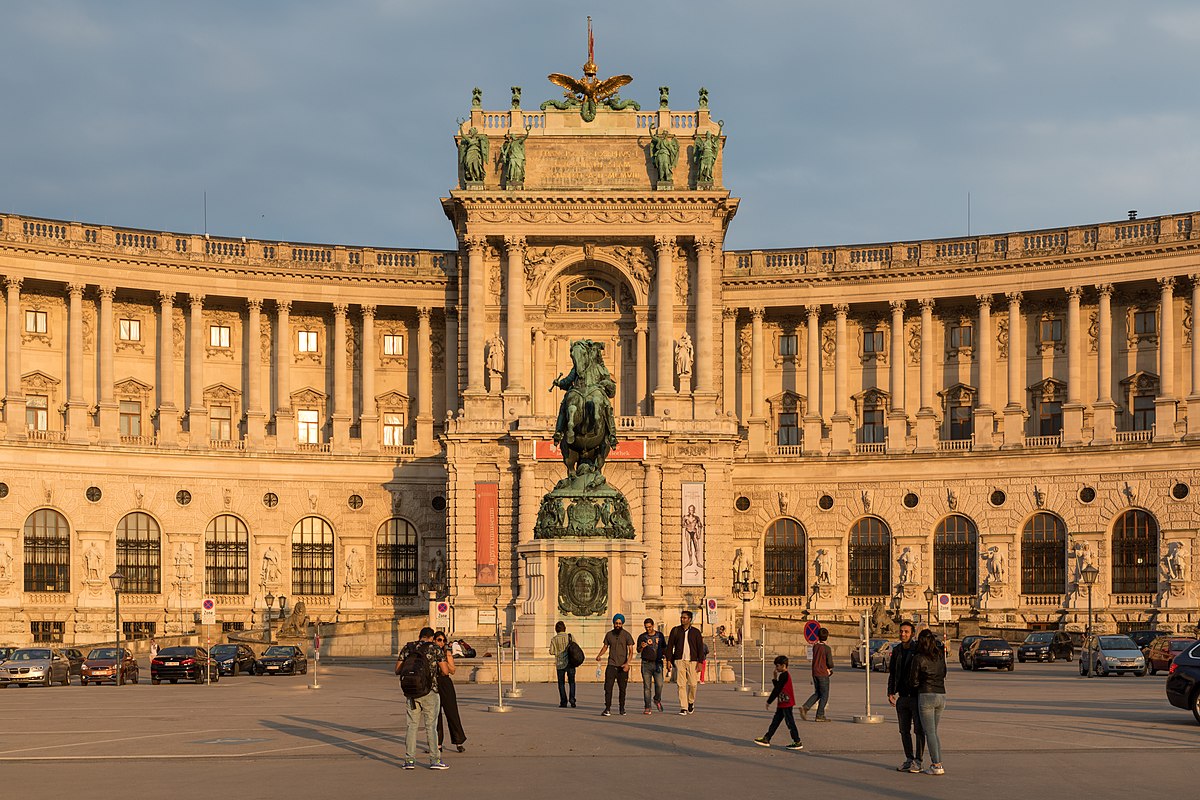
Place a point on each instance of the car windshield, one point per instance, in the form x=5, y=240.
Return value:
x=103, y=652
x=1039, y=638
x=30, y=655
x=225, y=650
x=279, y=650
x=177, y=652
x=1179, y=645
x=1117, y=643
x=990, y=644
x=876, y=644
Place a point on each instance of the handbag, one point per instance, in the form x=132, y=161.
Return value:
x=575, y=655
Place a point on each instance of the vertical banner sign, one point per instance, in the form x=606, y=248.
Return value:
x=487, y=534
x=692, y=534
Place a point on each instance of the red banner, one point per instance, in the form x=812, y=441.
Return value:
x=626, y=450
x=487, y=534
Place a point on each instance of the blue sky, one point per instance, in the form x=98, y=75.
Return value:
x=847, y=122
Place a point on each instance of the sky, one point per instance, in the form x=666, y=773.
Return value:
x=848, y=122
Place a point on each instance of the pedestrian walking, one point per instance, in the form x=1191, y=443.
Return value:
x=418, y=666
x=448, y=699
x=781, y=690
x=903, y=696
x=685, y=652
x=928, y=677
x=822, y=668
x=618, y=643
x=153, y=648
x=562, y=664
x=652, y=646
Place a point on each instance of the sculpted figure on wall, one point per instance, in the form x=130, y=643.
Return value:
x=684, y=356
x=185, y=566
x=823, y=565
x=356, y=569
x=909, y=562
x=495, y=355
x=997, y=568
x=93, y=562
x=270, y=572
x=664, y=149
x=512, y=156
x=1174, y=561
x=473, y=155
x=6, y=560
x=706, y=146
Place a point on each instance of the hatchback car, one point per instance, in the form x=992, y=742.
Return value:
x=1163, y=651
x=76, y=659
x=1183, y=681
x=100, y=666
x=233, y=659
x=1046, y=646
x=282, y=659
x=183, y=663
x=42, y=665
x=963, y=646
x=856, y=655
x=881, y=659
x=1112, y=655
x=989, y=653
x=1143, y=638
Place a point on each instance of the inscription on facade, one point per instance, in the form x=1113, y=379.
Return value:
x=616, y=165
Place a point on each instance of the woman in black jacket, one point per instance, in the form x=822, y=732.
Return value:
x=928, y=677
x=449, y=700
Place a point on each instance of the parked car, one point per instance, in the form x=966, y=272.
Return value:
x=100, y=666
x=1183, y=681
x=1143, y=638
x=1112, y=655
x=1163, y=650
x=76, y=658
x=5, y=652
x=966, y=642
x=989, y=653
x=183, y=663
x=881, y=659
x=1046, y=646
x=44, y=665
x=233, y=659
x=856, y=655
x=280, y=659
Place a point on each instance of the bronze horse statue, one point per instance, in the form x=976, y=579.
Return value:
x=586, y=430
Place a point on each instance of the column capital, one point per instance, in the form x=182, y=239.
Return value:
x=664, y=243
x=1104, y=289
x=254, y=303
x=283, y=306
x=195, y=299
x=758, y=312
x=984, y=301
x=898, y=306
x=706, y=244
x=641, y=327
x=926, y=304
x=166, y=298
x=107, y=292
x=424, y=312
x=12, y=284
x=368, y=310
x=1194, y=277
x=340, y=309
x=1166, y=284
x=474, y=243
x=728, y=312
x=1074, y=292
x=1014, y=298
x=75, y=289
x=515, y=245
x=841, y=309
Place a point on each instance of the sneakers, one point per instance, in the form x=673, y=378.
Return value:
x=906, y=766
x=409, y=764
x=683, y=712
x=762, y=741
x=606, y=713
x=691, y=708
x=821, y=718
x=914, y=767
x=935, y=769
x=803, y=712
x=658, y=705
x=794, y=746
x=439, y=765
x=646, y=712
x=622, y=712
x=572, y=704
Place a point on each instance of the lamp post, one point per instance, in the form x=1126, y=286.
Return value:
x=270, y=598
x=929, y=595
x=1089, y=574
x=745, y=589
x=117, y=580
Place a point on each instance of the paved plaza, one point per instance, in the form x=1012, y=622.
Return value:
x=1041, y=729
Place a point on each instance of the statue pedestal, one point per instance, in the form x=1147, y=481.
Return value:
x=1175, y=595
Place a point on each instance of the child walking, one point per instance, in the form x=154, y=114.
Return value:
x=782, y=690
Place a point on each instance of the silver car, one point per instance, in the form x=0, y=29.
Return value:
x=42, y=665
x=1111, y=655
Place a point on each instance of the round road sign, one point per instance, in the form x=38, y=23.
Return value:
x=209, y=604
x=810, y=631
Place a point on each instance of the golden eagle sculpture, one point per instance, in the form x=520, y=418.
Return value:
x=589, y=92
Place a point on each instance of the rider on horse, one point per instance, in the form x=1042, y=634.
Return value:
x=591, y=382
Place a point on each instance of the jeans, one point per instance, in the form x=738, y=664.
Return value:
x=566, y=676
x=783, y=715
x=620, y=676
x=909, y=718
x=652, y=676
x=820, y=692
x=931, y=707
x=423, y=709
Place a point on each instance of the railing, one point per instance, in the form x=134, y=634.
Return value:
x=866, y=601
x=962, y=600
x=793, y=601
x=47, y=598
x=310, y=255
x=227, y=444
x=632, y=423
x=36, y=435
x=396, y=259
x=315, y=447
x=45, y=230
x=1146, y=231
x=1133, y=599
x=141, y=441
x=870, y=447
x=686, y=121
x=787, y=450
x=497, y=121
x=398, y=450
x=1124, y=437
x=1043, y=441
x=956, y=444
x=314, y=599
x=1043, y=600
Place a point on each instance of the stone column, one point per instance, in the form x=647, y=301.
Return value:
x=517, y=334
x=368, y=422
x=451, y=315
x=476, y=303
x=812, y=356
x=1073, y=408
x=77, y=411
x=256, y=419
x=729, y=362
x=14, y=395
x=897, y=419
x=841, y=428
x=196, y=410
x=1104, y=416
x=168, y=412
x=664, y=321
x=1014, y=412
x=758, y=424
x=285, y=418
x=1165, y=405
x=341, y=381
x=425, y=381
x=642, y=369
x=1193, y=399
x=109, y=421
x=525, y=500
x=705, y=394
x=652, y=581
x=537, y=395
x=985, y=413
x=926, y=416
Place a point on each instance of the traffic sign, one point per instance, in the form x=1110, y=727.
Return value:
x=208, y=611
x=943, y=608
x=710, y=608
x=810, y=631
x=442, y=615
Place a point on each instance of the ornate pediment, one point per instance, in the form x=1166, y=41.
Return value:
x=392, y=401
x=308, y=396
x=872, y=398
x=131, y=389
x=960, y=394
x=788, y=402
x=38, y=382
x=222, y=394
x=1141, y=382
x=1051, y=390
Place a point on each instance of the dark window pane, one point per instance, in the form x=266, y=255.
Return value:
x=1135, y=553
x=227, y=556
x=784, y=568
x=955, y=556
x=47, y=552
x=139, y=553
x=869, y=558
x=312, y=557
x=396, y=559
x=1044, y=555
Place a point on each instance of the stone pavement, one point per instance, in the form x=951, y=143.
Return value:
x=1042, y=726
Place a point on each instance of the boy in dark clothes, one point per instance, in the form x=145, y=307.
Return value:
x=782, y=689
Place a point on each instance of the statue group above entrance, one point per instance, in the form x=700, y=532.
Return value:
x=587, y=93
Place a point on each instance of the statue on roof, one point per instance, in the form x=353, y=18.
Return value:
x=705, y=148
x=664, y=150
x=512, y=156
x=473, y=155
x=587, y=93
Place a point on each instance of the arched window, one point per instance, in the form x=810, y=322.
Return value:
x=784, y=567
x=870, y=560
x=955, y=556
x=47, y=552
x=1135, y=553
x=312, y=557
x=1044, y=555
x=139, y=553
x=396, y=559
x=226, y=556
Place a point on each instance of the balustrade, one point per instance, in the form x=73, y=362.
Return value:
x=1133, y=599
x=1043, y=441
x=1043, y=600
x=1126, y=437
x=956, y=444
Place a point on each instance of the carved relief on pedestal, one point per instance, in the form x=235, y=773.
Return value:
x=356, y=573
x=7, y=578
x=583, y=586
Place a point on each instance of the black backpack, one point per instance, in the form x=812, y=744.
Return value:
x=575, y=655
x=416, y=674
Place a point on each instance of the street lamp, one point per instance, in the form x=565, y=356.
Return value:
x=270, y=598
x=746, y=589
x=117, y=580
x=929, y=595
x=1088, y=575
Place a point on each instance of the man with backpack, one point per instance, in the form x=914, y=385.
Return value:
x=418, y=666
x=567, y=657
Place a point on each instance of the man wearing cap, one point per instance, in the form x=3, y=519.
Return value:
x=618, y=643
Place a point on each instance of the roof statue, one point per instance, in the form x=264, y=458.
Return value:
x=587, y=93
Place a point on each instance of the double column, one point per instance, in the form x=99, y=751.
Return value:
x=926, y=415
x=424, y=444
x=983, y=422
x=813, y=422
x=168, y=412
x=341, y=381
x=14, y=395
x=705, y=395
x=1014, y=411
x=285, y=418
x=1072, y=434
x=1104, y=409
x=664, y=322
x=198, y=433
x=758, y=423
x=476, y=311
x=77, y=411
x=1166, y=405
x=517, y=333
x=897, y=422
x=109, y=420
x=368, y=421
x=256, y=418
x=841, y=423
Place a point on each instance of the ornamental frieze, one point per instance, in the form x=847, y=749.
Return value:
x=590, y=217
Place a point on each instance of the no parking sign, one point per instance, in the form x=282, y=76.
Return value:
x=810, y=631
x=208, y=611
x=943, y=608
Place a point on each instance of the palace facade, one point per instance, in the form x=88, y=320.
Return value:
x=363, y=428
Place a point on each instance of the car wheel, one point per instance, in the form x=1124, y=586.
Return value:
x=154, y=681
x=234, y=673
x=1141, y=673
x=1196, y=705
x=83, y=682
x=1082, y=669
x=174, y=681
x=135, y=677
x=305, y=670
x=1011, y=667
x=66, y=681
x=963, y=664
x=46, y=681
x=1021, y=659
x=1051, y=659
x=1101, y=670
x=1153, y=669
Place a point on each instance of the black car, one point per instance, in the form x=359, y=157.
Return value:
x=176, y=664
x=282, y=659
x=1143, y=638
x=1183, y=681
x=76, y=657
x=233, y=659
x=963, y=647
x=1046, y=646
x=989, y=653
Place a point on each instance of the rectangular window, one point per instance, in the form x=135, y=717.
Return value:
x=130, y=418
x=393, y=430
x=873, y=430
x=1145, y=323
x=788, y=344
x=1052, y=330
x=960, y=336
x=872, y=342
x=37, y=414
x=35, y=322
x=308, y=421
x=230, y=627
x=961, y=422
x=788, y=432
x=47, y=632
x=138, y=630
x=1143, y=413
x=1050, y=419
x=306, y=341
x=393, y=344
x=130, y=330
x=220, y=423
x=218, y=336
